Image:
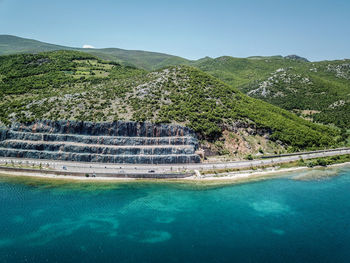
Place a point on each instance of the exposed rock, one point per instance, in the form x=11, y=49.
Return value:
x=341, y=71
x=282, y=76
x=116, y=142
x=336, y=104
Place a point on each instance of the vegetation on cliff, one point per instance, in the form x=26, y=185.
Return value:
x=318, y=91
x=78, y=86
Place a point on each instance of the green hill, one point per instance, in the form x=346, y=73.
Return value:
x=75, y=85
x=318, y=91
x=13, y=45
x=315, y=90
x=141, y=59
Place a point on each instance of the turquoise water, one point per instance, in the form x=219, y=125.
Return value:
x=275, y=220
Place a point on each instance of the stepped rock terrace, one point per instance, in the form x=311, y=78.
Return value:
x=113, y=142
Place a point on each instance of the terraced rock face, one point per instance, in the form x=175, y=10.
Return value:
x=116, y=142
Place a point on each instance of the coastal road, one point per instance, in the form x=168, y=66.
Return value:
x=91, y=168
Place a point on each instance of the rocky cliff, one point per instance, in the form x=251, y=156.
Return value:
x=110, y=142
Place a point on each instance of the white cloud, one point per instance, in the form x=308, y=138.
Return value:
x=88, y=46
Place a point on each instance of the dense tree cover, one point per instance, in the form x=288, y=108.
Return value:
x=240, y=71
x=73, y=85
x=27, y=80
x=295, y=85
x=208, y=105
x=330, y=80
x=23, y=73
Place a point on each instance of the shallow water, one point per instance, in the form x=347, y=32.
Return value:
x=298, y=217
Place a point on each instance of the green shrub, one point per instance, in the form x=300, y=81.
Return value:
x=249, y=157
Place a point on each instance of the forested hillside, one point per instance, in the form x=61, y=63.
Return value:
x=319, y=91
x=78, y=86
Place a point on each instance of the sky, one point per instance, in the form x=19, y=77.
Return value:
x=193, y=29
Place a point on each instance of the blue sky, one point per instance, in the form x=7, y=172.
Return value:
x=193, y=29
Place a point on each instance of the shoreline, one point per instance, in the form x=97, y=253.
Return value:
x=230, y=177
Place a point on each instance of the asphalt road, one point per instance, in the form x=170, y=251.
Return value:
x=91, y=168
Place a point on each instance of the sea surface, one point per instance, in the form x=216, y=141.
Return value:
x=296, y=217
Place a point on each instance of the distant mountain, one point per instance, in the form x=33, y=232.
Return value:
x=141, y=59
x=13, y=45
x=296, y=57
x=319, y=91
x=77, y=86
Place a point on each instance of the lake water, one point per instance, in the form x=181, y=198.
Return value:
x=293, y=218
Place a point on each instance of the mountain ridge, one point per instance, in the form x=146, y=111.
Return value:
x=324, y=97
x=110, y=53
x=10, y=44
x=72, y=85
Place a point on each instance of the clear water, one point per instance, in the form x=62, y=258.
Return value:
x=276, y=220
